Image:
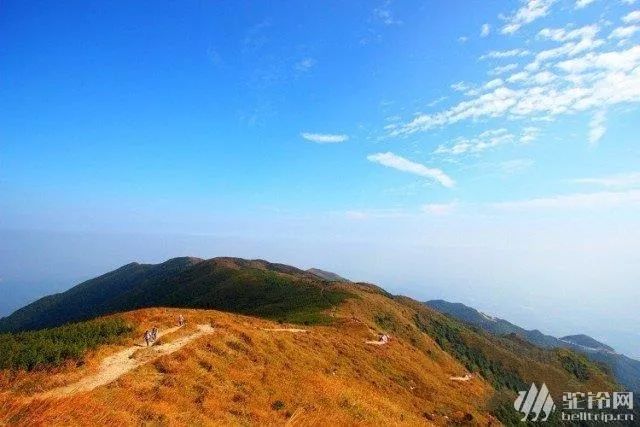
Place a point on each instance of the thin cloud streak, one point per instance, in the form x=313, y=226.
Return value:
x=324, y=138
x=531, y=11
x=394, y=161
x=621, y=180
x=598, y=200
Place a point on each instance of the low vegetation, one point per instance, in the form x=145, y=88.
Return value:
x=258, y=292
x=511, y=364
x=449, y=337
x=51, y=347
x=256, y=288
x=254, y=371
x=251, y=372
x=574, y=364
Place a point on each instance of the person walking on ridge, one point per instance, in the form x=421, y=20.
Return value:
x=147, y=337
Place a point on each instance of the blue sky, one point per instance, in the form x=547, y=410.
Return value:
x=481, y=151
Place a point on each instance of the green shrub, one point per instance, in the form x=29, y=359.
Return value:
x=572, y=364
x=385, y=321
x=449, y=337
x=51, y=347
x=277, y=405
x=257, y=288
x=256, y=292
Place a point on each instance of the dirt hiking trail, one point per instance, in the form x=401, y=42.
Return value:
x=293, y=330
x=118, y=364
x=467, y=377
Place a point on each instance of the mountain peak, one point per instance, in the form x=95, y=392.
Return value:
x=587, y=342
x=327, y=275
x=226, y=283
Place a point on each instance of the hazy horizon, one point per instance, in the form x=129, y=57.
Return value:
x=490, y=158
x=67, y=258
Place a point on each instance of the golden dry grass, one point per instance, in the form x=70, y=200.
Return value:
x=243, y=374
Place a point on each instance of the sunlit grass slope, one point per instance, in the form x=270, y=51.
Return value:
x=244, y=374
x=249, y=371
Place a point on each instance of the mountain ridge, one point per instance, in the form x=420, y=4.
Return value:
x=345, y=319
x=327, y=275
x=178, y=281
x=625, y=369
x=587, y=343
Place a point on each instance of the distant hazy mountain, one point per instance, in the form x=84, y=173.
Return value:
x=92, y=298
x=327, y=275
x=625, y=369
x=587, y=343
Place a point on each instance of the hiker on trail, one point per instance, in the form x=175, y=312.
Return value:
x=154, y=334
x=383, y=338
x=181, y=320
x=147, y=337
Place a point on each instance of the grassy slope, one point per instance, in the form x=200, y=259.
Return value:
x=51, y=347
x=247, y=375
x=510, y=364
x=624, y=369
x=243, y=374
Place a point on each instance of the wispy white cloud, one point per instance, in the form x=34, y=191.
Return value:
x=394, y=161
x=597, y=127
x=624, y=32
x=572, y=202
x=492, y=84
x=439, y=208
x=619, y=181
x=563, y=35
x=503, y=69
x=527, y=13
x=485, y=30
x=521, y=76
x=385, y=15
x=305, y=64
x=460, y=87
x=497, y=54
x=256, y=36
x=597, y=200
x=495, y=103
x=485, y=140
x=214, y=56
x=616, y=61
x=591, y=81
x=529, y=134
x=436, y=101
x=365, y=214
x=352, y=214
x=632, y=17
x=583, y=3
x=510, y=167
x=324, y=138
x=575, y=41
